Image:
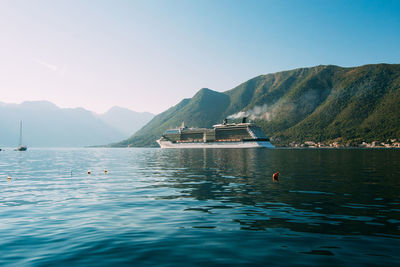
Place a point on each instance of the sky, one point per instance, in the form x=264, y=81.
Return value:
x=148, y=55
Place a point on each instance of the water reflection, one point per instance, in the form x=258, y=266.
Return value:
x=346, y=192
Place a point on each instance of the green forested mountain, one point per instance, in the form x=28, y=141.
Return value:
x=321, y=103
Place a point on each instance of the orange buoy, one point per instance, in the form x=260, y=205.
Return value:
x=275, y=177
x=8, y=178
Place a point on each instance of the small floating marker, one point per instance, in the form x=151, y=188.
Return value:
x=105, y=171
x=8, y=178
x=275, y=177
x=89, y=172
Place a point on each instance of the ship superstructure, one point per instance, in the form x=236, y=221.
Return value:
x=225, y=135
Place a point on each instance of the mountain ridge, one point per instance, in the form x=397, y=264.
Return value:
x=125, y=120
x=47, y=125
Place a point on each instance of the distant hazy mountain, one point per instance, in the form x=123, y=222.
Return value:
x=125, y=120
x=45, y=124
x=321, y=103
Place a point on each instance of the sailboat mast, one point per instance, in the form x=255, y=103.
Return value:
x=20, y=133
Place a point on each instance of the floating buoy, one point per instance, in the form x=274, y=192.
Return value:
x=275, y=177
x=105, y=171
x=8, y=178
x=89, y=172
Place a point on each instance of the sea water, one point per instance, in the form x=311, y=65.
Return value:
x=199, y=207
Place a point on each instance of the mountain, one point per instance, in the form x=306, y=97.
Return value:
x=321, y=103
x=125, y=120
x=45, y=124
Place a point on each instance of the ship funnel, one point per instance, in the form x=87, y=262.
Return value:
x=225, y=121
x=244, y=119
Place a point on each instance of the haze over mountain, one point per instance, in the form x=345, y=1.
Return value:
x=320, y=103
x=46, y=125
x=125, y=120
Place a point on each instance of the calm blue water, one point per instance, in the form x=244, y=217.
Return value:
x=199, y=207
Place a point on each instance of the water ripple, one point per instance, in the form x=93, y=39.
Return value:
x=199, y=207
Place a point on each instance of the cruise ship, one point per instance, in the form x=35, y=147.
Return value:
x=225, y=135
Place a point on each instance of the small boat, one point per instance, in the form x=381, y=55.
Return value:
x=20, y=146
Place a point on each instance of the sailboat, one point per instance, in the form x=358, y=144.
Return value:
x=20, y=146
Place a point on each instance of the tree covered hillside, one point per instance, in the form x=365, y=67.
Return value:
x=321, y=103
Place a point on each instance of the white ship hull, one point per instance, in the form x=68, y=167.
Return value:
x=237, y=144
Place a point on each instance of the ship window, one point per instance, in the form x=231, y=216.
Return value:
x=173, y=131
x=192, y=136
x=231, y=133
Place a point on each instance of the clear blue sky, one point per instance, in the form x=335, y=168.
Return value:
x=148, y=55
